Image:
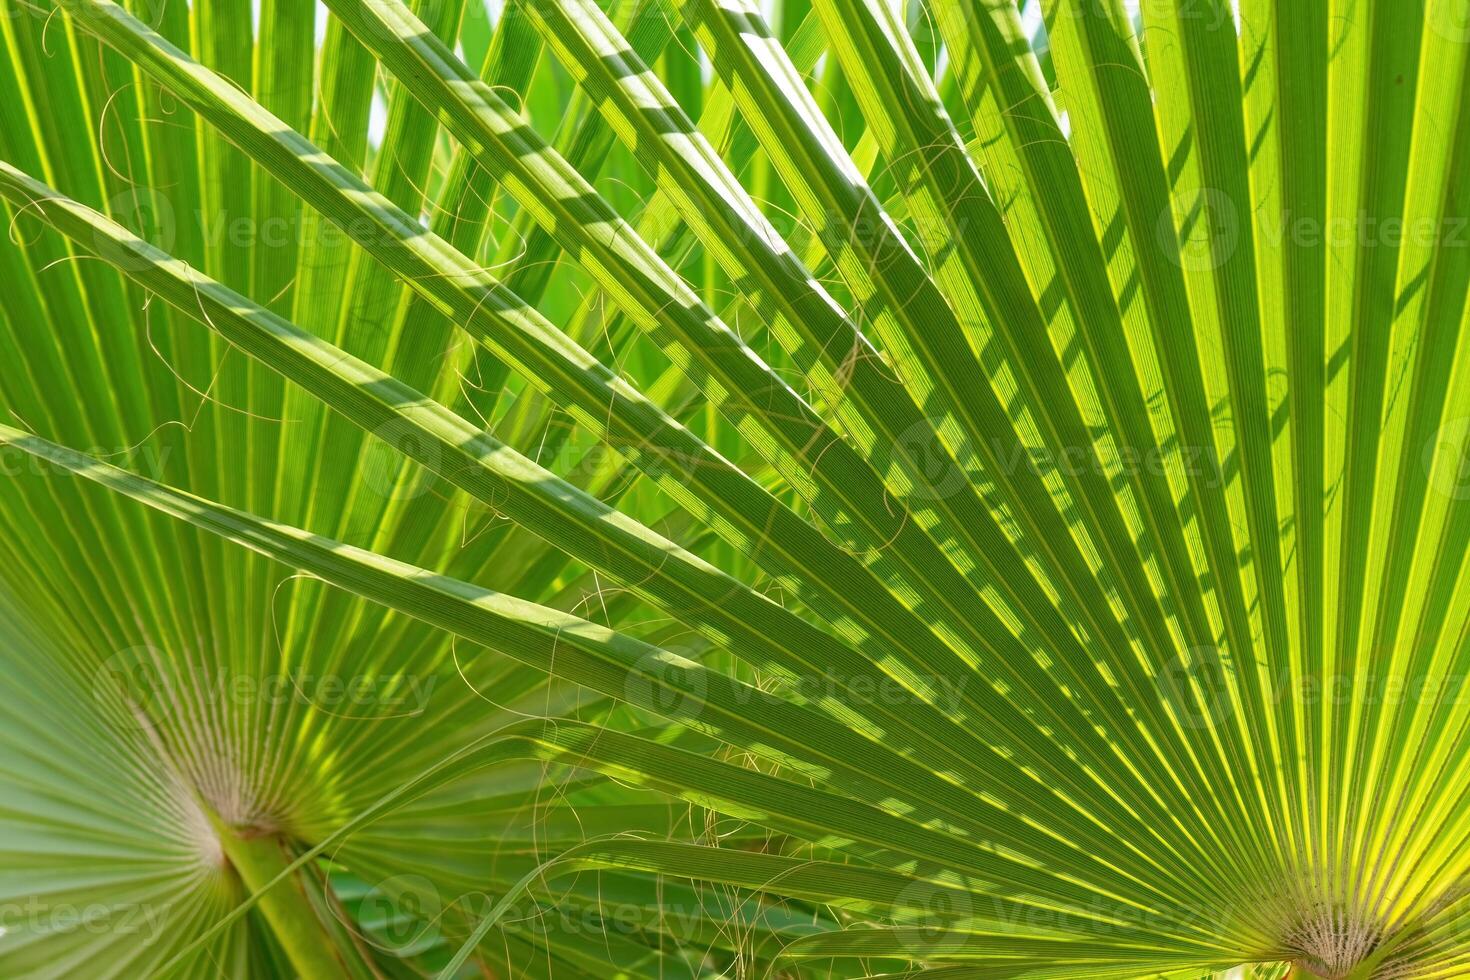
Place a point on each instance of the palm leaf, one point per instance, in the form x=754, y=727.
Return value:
x=848, y=489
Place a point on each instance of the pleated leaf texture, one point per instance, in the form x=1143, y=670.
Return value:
x=707, y=489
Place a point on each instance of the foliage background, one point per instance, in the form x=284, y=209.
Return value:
x=839, y=489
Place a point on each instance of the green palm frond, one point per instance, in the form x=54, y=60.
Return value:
x=697, y=488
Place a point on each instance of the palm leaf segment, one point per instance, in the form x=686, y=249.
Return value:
x=941, y=489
